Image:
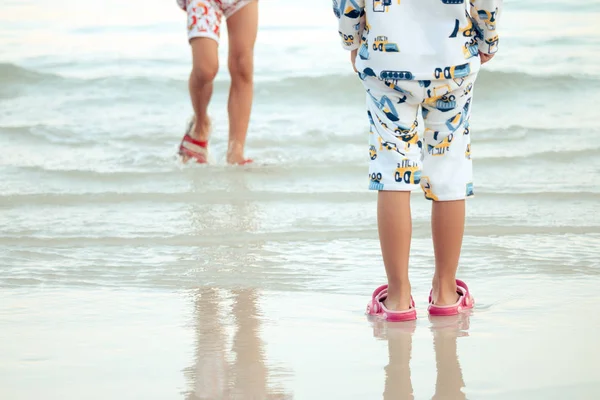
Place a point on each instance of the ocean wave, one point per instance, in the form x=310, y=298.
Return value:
x=321, y=85
x=78, y=198
x=563, y=156
x=16, y=75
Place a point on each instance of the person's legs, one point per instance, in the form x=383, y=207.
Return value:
x=395, y=152
x=204, y=21
x=242, y=28
x=395, y=231
x=447, y=225
x=205, y=68
x=447, y=180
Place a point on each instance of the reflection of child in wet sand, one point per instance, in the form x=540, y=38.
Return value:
x=419, y=58
x=204, y=27
x=449, y=382
x=214, y=376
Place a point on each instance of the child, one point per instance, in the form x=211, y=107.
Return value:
x=204, y=25
x=411, y=56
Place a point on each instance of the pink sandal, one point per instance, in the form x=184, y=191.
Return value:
x=465, y=302
x=377, y=308
x=192, y=148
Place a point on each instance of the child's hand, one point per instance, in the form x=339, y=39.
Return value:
x=353, y=59
x=485, y=57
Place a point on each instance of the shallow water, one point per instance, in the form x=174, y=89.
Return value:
x=126, y=275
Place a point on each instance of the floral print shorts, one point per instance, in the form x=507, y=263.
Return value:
x=204, y=16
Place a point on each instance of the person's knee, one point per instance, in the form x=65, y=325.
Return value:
x=205, y=72
x=241, y=67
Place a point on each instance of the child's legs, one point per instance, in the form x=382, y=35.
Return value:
x=204, y=70
x=447, y=177
x=242, y=28
x=203, y=34
x=447, y=226
x=395, y=230
x=394, y=170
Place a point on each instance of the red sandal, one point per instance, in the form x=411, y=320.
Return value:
x=191, y=148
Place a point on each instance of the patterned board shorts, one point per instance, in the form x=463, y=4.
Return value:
x=204, y=16
x=405, y=157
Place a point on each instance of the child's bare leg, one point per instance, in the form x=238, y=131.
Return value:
x=242, y=28
x=448, y=226
x=395, y=230
x=205, y=67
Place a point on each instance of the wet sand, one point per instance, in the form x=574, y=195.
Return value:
x=212, y=343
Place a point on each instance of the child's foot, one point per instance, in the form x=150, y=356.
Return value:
x=194, y=144
x=445, y=299
x=401, y=303
x=444, y=295
x=398, y=298
x=235, y=154
x=443, y=307
x=377, y=307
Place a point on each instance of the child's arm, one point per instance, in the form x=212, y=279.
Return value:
x=351, y=15
x=486, y=14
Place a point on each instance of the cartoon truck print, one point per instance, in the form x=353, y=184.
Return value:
x=455, y=122
x=444, y=101
x=467, y=130
x=402, y=130
x=390, y=146
x=468, y=89
x=381, y=5
x=442, y=147
x=375, y=183
x=363, y=52
x=398, y=89
x=386, y=106
x=352, y=10
x=410, y=139
x=468, y=152
x=467, y=31
x=471, y=49
x=492, y=44
x=382, y=43
x=365, y=73
x=371, y=121
x=336, y=9
x=408, y=172
x=426, y=186
x=470, y=191
x=453, y=72
x=372, y=152
x=383, y=124
x=395, y=76
x=348, y=39
x=488, y=18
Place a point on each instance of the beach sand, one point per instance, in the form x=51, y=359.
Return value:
x=127, y=275
x=212, y=343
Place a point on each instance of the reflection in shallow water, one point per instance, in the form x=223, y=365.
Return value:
x=398, y=384
x=446, y=330
x=224, y=368
x=222, y=371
